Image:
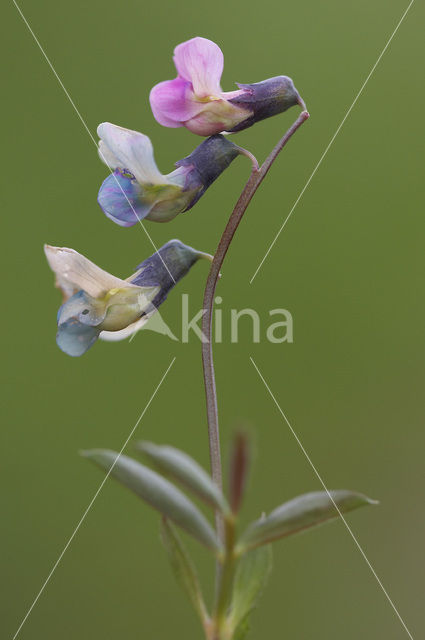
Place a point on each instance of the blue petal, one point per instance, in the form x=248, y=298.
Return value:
x=121, y=199
x=83, y=308
x=75, y=338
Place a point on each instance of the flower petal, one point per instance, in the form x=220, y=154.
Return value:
x=74, y=270
x=106, y=155
x=173, y=102
x=115, y=336
x=152, y=321
x=121, y=199
x=84, y=308
x=126, y=306
x=216, y=117
x=201, y=62
x=129, y=150
x=75, y=338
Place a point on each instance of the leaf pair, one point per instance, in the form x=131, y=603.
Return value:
x=159, y=492
x=252, y=551
x=180, y=467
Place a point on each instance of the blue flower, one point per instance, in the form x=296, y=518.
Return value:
x=97, y=304
x=137, y=190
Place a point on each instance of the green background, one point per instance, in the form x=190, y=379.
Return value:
x=349, y=266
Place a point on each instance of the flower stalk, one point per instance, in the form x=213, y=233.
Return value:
x=254, y=181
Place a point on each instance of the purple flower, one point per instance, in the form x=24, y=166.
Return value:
x=138, y=190
x=196, y=101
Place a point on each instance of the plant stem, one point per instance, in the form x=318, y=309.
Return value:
x=256, y=178
x=218, y=623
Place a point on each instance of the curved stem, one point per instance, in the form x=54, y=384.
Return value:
x=256, y=178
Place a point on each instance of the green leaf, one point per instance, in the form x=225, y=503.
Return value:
x=158, y=492
x=183, y=568
x=251, y=577
x=243, y=629
x=308, y=510
x=185, y=470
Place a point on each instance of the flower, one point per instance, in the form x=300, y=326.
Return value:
x=97, y=304
x=196, y=101
x=137, y=190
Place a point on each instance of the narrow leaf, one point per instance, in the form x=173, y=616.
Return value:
x=183, y=568
x=158, y=492
x=251, y=577
x=182, y=468
x=242, y=630
x=308, y=510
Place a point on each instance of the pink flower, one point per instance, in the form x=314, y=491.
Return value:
x=196, y=101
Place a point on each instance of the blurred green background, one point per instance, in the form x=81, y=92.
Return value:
x=349, y=266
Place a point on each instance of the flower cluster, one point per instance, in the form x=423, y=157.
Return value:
x=97, y=304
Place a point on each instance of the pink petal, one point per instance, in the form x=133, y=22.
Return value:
x=200, y=61
x=173, y=102
x=217, y=116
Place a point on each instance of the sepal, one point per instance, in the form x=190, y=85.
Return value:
x=206, y=163
x=265, y=99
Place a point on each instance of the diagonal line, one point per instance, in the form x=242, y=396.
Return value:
x=89, y=132
x=331, y=141
x=319, y=477
x=55, y=566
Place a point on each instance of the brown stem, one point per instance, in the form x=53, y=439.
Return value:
x=256, y=178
